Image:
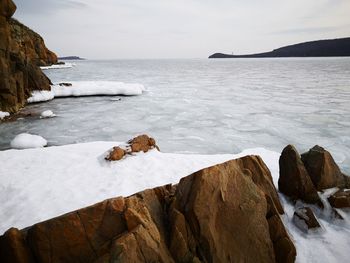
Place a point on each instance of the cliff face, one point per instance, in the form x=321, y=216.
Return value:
x=225, y=213
x=31, y=44
x=21, y=52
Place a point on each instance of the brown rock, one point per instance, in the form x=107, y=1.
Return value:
x=323, y=170
x=142, y=143
x=13, y=247
x=116, y=154
x=294, y=180
x=340, y=199
x=284, y=248
x=21, y=51
x=224, y=193
x=305, y=219
x=65, y=84
x=262, y=177
x=217, y=214
x=8, y=8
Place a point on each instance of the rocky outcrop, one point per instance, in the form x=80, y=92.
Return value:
x=225, y=213
x=305, y=219
x=294, y=180
x=323, y=170
x=31, y=44
x=141, y=143
x=340, y=199
x=21, y=51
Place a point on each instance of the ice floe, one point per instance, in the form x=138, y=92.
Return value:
x=87, y=88
x=58, y=66
x=47, y=114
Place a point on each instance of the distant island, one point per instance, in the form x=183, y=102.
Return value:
x=322, y=48
x=71, y=58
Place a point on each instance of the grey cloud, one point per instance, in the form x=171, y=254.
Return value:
x=46, y=6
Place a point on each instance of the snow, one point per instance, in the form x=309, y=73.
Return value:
x=58, y=66
x=47, y=114
x=26, y=141
x=38, y=184
x=87, y=88
x=4, y=114
x=41, y=95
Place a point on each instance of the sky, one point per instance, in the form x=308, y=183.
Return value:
x=131, y=29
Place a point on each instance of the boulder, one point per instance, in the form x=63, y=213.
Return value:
x=323, y=170
x=142, y=143
x=305, y=219
x=294, y=180
x=340, y=199
x=217, y=214
x=116, y=154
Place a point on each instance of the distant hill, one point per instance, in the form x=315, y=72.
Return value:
x=71, y=58
x=322, y=48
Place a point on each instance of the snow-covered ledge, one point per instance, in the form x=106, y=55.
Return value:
x=87, y=88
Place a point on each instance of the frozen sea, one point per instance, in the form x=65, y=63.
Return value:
x=205, y=106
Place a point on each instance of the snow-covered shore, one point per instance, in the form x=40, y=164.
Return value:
x=38, y=184
x=58, y=66
x=87, y=88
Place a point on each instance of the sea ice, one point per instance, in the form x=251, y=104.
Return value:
x=58, y=66
x=26, y=141
x=47, y=114
x=88, y=88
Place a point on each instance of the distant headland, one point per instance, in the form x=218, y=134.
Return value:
x=71, y=58
x=321, y=48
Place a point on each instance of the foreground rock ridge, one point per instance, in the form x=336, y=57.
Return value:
x=225, y=213
x=22, y=51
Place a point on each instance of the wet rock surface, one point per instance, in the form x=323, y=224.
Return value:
x=340, y=199
x=224, y=213
x=305, y=219
x=294, y=180
x=323, y=170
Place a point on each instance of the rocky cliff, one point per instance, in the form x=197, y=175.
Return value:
x=226, y=213
x=31, y=44
x=21, y=53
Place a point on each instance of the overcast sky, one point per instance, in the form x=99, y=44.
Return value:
x=110, y=29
